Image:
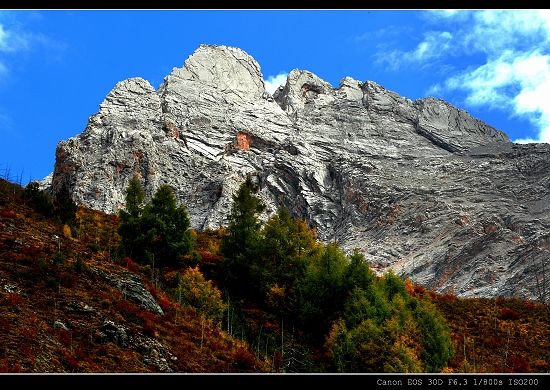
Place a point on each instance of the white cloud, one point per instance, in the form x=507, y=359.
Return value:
x=273, y=82
x=435, y=45
x=15, y=38
x=9, y=43
x=514, y=72
x=518, y=82
x=3, y=38
x=12, y=40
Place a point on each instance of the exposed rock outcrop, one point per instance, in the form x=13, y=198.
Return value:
x=154, y=353
x=421, y=187
x=131, y=287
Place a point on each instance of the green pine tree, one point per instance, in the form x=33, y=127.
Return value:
x=240, y=246
x=64, y=206
x=169, y=226
x=134, y=238
x=157, y=231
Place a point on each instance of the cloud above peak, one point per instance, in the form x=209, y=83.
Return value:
x=509, y=60
x=273, y=82
x=16, y=37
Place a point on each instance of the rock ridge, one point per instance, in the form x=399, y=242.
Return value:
x=420, y=186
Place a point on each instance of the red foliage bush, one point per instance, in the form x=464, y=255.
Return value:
x=5, y=366
x=29, y=333
x=244, y=360
x=8, y=214
x=508, y=314
x=32, y=251
x=27, y=351
x=164, y=303
x=493, y=342
x=419, y=290
x=64, y=337
x=519, y=364
x=448, y=297
x=130, y=264
x=67, y=279
x=209, y=257
x=529, y=305
x=149, y=323
x=126, y=307
x=153, y=290
x=70, y=361
x=15, y=299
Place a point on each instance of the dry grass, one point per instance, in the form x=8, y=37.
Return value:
x=40, y=283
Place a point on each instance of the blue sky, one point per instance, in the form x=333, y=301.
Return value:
x=56, y=67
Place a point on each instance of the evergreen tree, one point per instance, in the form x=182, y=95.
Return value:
x=64, y=206
x=41, y=201
x=324, y=290
x=134, y=238
x=358, y=273
x=168, y=225
x=436, y=336
x=240, y=246
x=286, y=247
x=135, y=196
x=158, y=231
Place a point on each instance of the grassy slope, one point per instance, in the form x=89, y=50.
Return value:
x=35, y=292
x=502, y=335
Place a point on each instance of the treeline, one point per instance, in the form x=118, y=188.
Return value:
x=59, y=206
x=367, y=324
x=360, y=322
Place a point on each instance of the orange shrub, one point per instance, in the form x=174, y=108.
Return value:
x=67, y=231
x=409, y=287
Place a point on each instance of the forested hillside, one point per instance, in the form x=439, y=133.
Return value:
x=83, y=291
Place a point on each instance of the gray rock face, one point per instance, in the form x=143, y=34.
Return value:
x=154, y=353
x=132, y=288
x=420, y=187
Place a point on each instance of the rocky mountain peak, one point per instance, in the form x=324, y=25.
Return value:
x=454, y=129
x=228, y=70
x=420, y=187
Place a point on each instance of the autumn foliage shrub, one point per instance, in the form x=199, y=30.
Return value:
x=15, y=299
x=130, y=265
x=164, y=303
x=244, y=360
x=195, y=291
x=529, y=305
x=508, y=314
x=518, y=363
x=8, y=214
x=64, y=337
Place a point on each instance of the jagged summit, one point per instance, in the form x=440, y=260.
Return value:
x=229, y=70
x=420, y=186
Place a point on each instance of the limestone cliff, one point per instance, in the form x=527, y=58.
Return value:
x=419, y=186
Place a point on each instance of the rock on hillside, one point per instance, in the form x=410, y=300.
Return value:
x=419, y=186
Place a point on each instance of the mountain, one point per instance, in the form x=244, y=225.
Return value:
x=419, y=186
